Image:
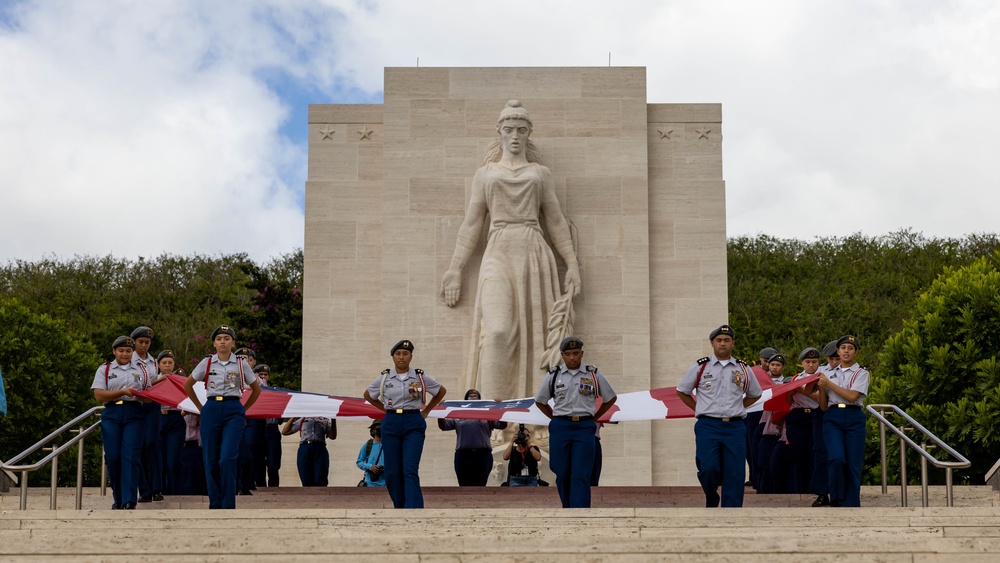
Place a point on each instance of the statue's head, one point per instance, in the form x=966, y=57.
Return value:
x=513, y=110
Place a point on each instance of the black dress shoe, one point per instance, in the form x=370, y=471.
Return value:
x=131, y=505
x=244, y=492
x=157, y=497
x=145, y=499
x=822, y=500
x=116, y=507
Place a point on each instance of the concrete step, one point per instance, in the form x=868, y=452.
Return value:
x=971, y=534
x=495, y=497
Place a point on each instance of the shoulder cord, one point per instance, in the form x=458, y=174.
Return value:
x=145, y=376
x=107, y=369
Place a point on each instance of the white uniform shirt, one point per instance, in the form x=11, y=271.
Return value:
x=575, y=391
x=852, y=378
x=224, y=379
x=722, y=387
x=116, y=377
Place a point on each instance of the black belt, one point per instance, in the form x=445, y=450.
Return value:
x=322, y=442
x=575, y=417
x=401, y=411
x=168, y=411
x=122, y=402
x=805, y=410
x=844, y=406
x=723, y=419
x=190, y=443
x=224, y=398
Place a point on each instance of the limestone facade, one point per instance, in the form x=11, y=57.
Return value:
x=387, y=189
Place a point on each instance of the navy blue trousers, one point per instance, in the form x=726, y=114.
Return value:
x=751, y=420
x=403, y=444
x=222, y=424
x=151, y=476
x=801, y=429
x=820, y=483
x=121, y=434
x=844, y=433
x=253, y=434
x=314, y=464
x=192, y=477
x=172, y=430
x=272, y=457
x=473, y=467
x=595, y=474
x=571, y=458
x=765, y=447
x=720, y=455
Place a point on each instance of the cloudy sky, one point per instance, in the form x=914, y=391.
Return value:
x=143, y=127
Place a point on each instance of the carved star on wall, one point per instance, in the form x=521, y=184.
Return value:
x=664, y=133
x=365, y=133
x=702, y=133
x=327, y=132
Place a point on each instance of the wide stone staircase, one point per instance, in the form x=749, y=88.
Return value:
x=502, y=524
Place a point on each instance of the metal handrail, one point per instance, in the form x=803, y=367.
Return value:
x=878, y=411
x=54, y=457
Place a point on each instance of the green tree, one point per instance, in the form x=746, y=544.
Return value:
x=48, y=371
x=791, y=294
x=942, y=369
x=272, y=324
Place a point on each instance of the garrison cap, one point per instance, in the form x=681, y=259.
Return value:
x=470, y=392
x=724, y=330
x=142, y=332
x=244, y=351
x=165, y=354
x=830, y=350
x=571, y=343
x=180, y=371
x=375, y=423
x=402, y=345
x=224, y=329
x=262, y=368
x=767, y=353
x=848, y=339
x=776, y=358
x=123, y=342
x=809, y=354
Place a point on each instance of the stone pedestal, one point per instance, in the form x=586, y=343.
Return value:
x=388, y=186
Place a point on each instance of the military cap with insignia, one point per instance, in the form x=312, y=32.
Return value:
x=848, y=339
x=809, y=353
x=402, y=345
x=224, y=329
x=767, y=353
x=142, y=332
x=262, y=368
x=724, y=330
x=570, y=343
x=165, y=354
x=123, y=342
x=244, y=351
x=776, y=358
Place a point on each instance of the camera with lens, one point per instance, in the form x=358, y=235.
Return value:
x=522, y=437
x=375, y=473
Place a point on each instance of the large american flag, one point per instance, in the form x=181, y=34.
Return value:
x=653, y=404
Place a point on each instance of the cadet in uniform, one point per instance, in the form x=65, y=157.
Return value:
x=805, y=433
x=401, y=392
x=725, y=388
x=172, y=430
x=752, y=419
x=222, y=417
x=121, y=421
x=253, y=435
x=313, y=457
x=473, y=450
x=574, y=388
x=151, y=476
x=832, y=357
x=770, y=433
x=267, y=456
x=842, y=397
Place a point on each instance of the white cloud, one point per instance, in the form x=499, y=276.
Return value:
x=871, y=116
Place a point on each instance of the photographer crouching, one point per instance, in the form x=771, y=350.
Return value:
x=522, y=457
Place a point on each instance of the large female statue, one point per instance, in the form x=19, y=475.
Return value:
x=518, y=293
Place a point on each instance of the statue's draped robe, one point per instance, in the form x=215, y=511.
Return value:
x=518, y=284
